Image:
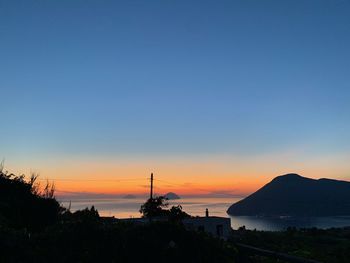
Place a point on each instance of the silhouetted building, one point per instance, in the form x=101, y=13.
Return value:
x=216, y=226
x=219, y=227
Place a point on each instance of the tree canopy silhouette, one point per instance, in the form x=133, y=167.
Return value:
x=156, y=207
x=23, y=204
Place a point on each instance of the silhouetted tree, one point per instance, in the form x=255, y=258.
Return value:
x=86, y=214
x=23, y=205
x=177, y=214
x=154, y=207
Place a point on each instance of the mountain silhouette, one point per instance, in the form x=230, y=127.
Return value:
x=171, y=196
x=294, y=195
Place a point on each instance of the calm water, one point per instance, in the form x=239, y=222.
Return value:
x=282, y=223
x=125, y=208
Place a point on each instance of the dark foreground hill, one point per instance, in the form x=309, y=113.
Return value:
x=294, y=195
x=34, y=228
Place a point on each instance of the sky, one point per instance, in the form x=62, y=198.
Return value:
x=213, y=97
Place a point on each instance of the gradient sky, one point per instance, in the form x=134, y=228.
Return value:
x=212, y=96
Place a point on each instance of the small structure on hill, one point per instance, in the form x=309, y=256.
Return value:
x=153, y=210
x=219, y=227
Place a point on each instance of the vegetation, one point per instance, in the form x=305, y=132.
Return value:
x=90, y=241
x=331, y=245
x=23, y=205
x=156, y=207
x=35, y=228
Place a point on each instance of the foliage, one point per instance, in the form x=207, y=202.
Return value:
x=35, y=228
x=24, y=205
x=155, y=207
x=330, y=245
x=112, y=242
x=177, y=214
x=85, y=215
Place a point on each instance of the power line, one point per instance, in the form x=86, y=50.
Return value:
x=91, y=180
x=121, y=180
x=166, y=182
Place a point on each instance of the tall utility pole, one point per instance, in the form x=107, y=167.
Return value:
x=151, y=194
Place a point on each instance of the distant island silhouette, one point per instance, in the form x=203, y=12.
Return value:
x=171, y=196
x=294, y=195
x=35, y=227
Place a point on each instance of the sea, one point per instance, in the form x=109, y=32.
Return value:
x=196, y=206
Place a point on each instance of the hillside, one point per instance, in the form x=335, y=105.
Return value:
x=294, y=195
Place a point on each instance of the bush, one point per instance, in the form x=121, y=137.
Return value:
x=23, y=205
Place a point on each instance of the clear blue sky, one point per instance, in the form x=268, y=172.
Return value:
x=170, y=78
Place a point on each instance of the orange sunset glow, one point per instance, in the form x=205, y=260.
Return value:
x=175, y=131
x=204, y=175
